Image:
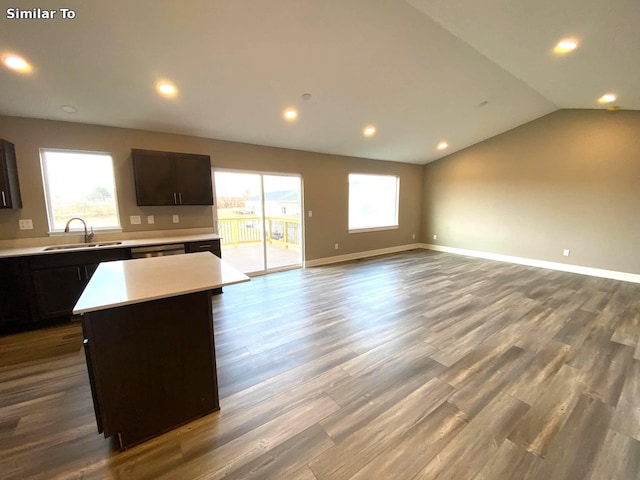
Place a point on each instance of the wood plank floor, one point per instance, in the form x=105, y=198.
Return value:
x=420, y=365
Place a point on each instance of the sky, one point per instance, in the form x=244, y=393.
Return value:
x=76, y=174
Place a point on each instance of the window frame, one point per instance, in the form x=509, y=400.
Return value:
x=52, y=231
x=395, y=225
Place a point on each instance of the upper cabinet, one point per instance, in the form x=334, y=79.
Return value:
x=166, y=178
x=9, y=186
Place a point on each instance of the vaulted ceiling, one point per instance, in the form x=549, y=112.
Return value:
x=420, y=71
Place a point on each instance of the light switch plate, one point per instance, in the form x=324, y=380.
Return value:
x=25, y=224
x=135, y=219
x=150, y=219
x=176, y=219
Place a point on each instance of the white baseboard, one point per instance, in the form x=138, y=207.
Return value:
x=356, y=256
x=563, y=267
x=531, y=262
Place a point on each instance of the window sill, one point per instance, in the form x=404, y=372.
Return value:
x=373, y=229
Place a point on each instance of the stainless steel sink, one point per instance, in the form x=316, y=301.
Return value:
x=80, y=245
x=107, y=244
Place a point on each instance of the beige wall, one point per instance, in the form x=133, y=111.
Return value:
x=570, y=180
x=324, y=182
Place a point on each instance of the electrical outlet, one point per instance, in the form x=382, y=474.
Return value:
x=310, y=214
x=150, y=219
x=335, y=246
x=176, y=219
x=565, y=252
x=25, y=224
x=435, y=237
x=135, y=219
x=414, y=236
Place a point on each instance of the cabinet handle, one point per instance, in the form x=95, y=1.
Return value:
x=180, y=196
x=86, y=273
x=79, y=274
x=4, y=200
x=205, y=246
x=175, y=201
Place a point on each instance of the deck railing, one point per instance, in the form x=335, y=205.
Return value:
x=283, y=231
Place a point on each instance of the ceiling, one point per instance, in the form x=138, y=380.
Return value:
x=421, y=71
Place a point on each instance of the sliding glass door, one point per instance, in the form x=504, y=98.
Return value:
x=260, y=220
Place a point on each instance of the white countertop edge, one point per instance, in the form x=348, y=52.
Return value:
x=138, y=242
x=81, y=311
x=127, y=282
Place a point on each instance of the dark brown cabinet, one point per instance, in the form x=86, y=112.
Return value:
x=151, y=365
x=41, y=290
x=166, y=178
x=57, y=290
x=59, y=279
x=14, y=300
x=9, y=185
x=212, y=246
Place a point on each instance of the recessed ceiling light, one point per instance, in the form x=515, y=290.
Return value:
x=442, y=145
x=369, y=131
x=290, y=114
x=306, y=96
x=565, y=45
x=607, y=98
x=17, y=63
x=68, y=108
x=167, y=89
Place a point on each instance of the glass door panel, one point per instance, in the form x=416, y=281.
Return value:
x=283, y=227
x=240, y=219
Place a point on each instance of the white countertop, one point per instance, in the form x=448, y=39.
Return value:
x=140, y=242
x=125, y=282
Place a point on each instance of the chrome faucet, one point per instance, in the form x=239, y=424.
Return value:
x=87, y=236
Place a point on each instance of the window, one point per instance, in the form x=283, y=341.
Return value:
x=373, y=201
x=79, y=184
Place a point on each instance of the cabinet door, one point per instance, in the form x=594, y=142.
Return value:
x=59, y=278
x=57, y=290
x=9, y=185
x=155, y=178
x=194, y=180
x=14, y=308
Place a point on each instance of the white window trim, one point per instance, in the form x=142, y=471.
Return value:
x=45, y=185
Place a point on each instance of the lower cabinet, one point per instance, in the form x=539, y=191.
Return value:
x=59, y=279
x=212, y=246
x=57, y=290
x=42, y=289
x=15, y=314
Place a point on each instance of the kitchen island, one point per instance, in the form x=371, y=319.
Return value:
x=149, y=346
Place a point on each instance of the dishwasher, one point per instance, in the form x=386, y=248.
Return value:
x=158, y=250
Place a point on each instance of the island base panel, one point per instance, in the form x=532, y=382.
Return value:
x=152, y=365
